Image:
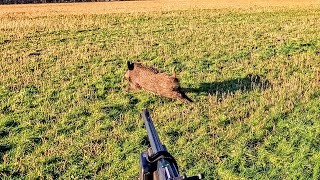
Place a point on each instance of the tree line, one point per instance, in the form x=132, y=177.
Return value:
x=47, y=1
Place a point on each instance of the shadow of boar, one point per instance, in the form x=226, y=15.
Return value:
x=150, y=79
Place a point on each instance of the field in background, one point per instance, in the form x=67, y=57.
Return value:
x=251, y=71
x=146, y=6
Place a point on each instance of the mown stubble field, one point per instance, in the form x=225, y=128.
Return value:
x=252, y=73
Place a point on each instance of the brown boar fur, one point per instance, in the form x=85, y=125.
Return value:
x=150, y=79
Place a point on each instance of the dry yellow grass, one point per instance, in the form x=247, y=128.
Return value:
x=144, y=6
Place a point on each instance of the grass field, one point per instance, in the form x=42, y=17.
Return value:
x=252, y=73
x=147, y=6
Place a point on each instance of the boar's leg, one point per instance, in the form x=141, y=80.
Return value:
x=133, y=86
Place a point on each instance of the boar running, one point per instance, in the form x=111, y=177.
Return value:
x=150, y=79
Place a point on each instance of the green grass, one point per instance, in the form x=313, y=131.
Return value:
x=251, y=73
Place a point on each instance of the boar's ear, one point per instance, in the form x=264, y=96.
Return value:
x=130, y=65
x=174, y=74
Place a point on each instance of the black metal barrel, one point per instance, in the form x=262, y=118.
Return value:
x=152, y=133
x=166, y=166
x=165, y=169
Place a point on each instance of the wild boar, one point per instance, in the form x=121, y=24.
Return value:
x=150, y=79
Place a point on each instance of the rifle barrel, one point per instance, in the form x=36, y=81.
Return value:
x=166, y=167
x=152, y=133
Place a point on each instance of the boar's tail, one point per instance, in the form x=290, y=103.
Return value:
x=184, y=97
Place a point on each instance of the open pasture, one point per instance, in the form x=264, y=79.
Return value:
x=252, y=72
x=147, y=6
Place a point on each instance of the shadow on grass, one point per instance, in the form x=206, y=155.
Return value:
x=246, y=84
